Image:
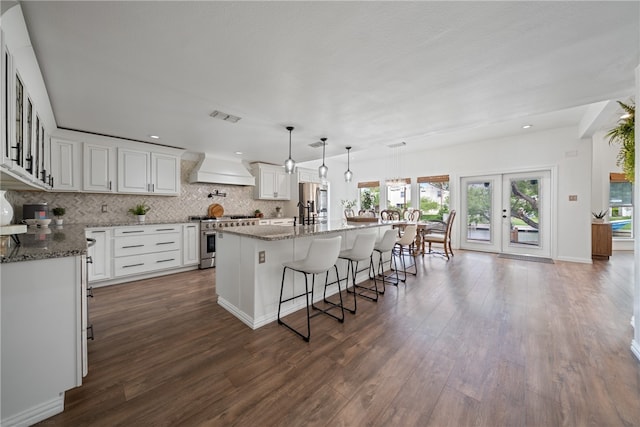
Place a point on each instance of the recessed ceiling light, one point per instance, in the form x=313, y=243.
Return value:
x=527, y=126
x=238, y=152
x=154, y=137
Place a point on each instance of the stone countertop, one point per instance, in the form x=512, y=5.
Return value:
x=283, y=232
x=57, y=241
x=43, y=243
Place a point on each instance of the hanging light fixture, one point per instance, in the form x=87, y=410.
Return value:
x=289, y=164
x=322, y=170
x=396, y=181
x=348, y=175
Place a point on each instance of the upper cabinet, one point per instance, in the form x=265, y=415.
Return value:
x=308, y=175
x=272, y=182
x=65, y=165
x=148, y=172
x=99, y=168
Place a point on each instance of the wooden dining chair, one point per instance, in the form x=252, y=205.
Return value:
x=434, y=235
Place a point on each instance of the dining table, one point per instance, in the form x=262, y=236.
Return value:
x=423, y=227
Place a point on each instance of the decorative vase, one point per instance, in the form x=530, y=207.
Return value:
x=141, y=218
x=6, y=210
x=598, y=220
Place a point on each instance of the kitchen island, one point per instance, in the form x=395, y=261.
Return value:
x=249, y=266
x=43, y=317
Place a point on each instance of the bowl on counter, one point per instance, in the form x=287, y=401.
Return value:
x=30, y=222
x=43, y=222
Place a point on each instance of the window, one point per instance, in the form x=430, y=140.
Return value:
x=620, y=205
x=434, y=197
x=399, y=194
x=369, y=195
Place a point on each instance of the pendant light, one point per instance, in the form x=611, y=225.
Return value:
x=322, y=170
x=348, y=175
x=289, y=164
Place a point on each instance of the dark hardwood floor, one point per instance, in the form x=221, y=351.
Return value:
x=475, y=341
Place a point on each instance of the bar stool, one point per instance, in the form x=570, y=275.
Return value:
x=322, y=255
x=386, y=244
x=406, y=246
x=362, y=250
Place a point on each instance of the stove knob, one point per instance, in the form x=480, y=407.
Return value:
x=226, y=225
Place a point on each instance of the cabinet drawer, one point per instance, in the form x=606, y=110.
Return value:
x=146, y=229
x=125, y=266
x=145, y=244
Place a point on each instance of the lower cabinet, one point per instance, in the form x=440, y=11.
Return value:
x=601, y=240
x=121, y=253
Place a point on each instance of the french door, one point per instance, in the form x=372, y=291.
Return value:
x=507, y=213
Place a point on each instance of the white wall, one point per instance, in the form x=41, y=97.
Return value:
x=558, y=148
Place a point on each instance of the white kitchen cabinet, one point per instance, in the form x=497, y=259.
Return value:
x=99, y=168
x=308, y=175
x=65, y=164
x=165, y=174
x=101, y=253
x=134, y=171
x=146, y=248
x=147, y=172
x=41, y=340
x=282, y=221
x=6, y=103
x=190, y=244
x=272, y=182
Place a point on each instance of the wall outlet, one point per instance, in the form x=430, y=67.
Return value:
x=261, y=257
x=573, y=197
x=104, y=208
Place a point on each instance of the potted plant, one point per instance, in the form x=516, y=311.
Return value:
x=140, y=211
x=599, y=216
x=258, y=213
x=623, y=134
x=59, y=213
x=278, y=212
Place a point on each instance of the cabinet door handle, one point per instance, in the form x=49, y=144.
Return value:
x=134, y=231
x=132, y=246
x=109, y=185
x=133, y=265
x=166, y=229
x=153, y=188
x=164, y=243
x=165, y=260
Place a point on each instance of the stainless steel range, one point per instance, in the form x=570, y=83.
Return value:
x=208, y=229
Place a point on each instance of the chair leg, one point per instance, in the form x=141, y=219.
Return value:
x=369, y=289
x=346, y=286
x=282, y=322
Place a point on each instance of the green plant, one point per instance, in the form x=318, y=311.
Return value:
x=257, y=211
x=58, y=211
x=623, y=134
x=348, y=204
x=139, y=210
x=367, y=200
x=599, y=215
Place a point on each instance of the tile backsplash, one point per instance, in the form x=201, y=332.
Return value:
x=86, y=208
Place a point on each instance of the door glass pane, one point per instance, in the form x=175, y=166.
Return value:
x=479, y=211
x=524, y=215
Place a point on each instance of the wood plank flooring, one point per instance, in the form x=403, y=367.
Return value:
x=475, y=341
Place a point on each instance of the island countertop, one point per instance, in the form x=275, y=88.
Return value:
x=283, y=232
x=43, y=243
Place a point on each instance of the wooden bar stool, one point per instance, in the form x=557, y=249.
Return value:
x=362, y=250
x=322, y=255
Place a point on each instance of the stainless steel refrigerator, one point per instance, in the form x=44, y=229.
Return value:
x=313, y=202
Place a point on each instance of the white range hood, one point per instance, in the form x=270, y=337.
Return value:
x=217, y=170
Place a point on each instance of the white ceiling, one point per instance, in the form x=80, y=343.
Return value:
x=365, y=74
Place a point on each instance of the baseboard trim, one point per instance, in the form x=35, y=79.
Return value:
x=36, y=413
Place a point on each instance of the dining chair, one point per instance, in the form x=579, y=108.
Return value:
x=435, y=235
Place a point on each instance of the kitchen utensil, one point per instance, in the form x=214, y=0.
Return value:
x=215, y=210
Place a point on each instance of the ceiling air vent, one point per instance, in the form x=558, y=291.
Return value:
x=224, y=116
x=398, y=145
x=316, y=144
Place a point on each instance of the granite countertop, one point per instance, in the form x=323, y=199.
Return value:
x=56, y=241
x=43, y=243
x=283, y=232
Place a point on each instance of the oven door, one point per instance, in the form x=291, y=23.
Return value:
x=208, y=249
